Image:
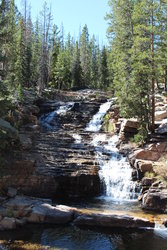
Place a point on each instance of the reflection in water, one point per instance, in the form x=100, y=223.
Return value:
x=73, y=238
x=119, y=196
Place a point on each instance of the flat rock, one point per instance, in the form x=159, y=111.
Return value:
x=46, y=213
x=112, y=220
x=23, y=202
x=145, y=154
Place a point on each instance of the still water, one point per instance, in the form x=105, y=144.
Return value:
x=73, y=238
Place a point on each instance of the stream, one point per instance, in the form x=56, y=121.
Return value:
x=120, y=194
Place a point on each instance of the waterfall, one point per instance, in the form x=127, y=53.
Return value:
x=95, y=124
x=48, y=120
x=115, y=171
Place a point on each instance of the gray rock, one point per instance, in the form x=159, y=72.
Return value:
x=112, y=220
x=162, y=129
x=8, y=223
x=45, y=213
x=4, y=125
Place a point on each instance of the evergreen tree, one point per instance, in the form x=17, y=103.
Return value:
x=121, y=39
x=85, y=56
x=20, y=65
x=94, y=64
x=104, y=81
x=76, y=68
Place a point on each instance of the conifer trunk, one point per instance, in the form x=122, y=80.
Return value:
x=153, y=71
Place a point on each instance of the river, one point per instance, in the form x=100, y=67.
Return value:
x=120, y=194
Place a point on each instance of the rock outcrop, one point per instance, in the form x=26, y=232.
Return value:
x=52, y=163
x=128, y=128
x=20, y=210
x=112, y=221
x=155, y=199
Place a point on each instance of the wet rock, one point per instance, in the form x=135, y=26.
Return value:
x=155, y=199
x=165, y=223
x=112, y=221
x=8, y=223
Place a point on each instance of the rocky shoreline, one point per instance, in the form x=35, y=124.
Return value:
x=149, y=161
x=20, y=210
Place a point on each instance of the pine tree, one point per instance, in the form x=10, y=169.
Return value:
x=76, y=68
x=94, y=64
x=104, y=81
x=121, y=39
x=85, y=56
x=20, y=65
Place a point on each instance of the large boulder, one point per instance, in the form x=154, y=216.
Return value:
x=144, y=166
x=129, y=126
x=112, y=221
x=146, y=154
x=46, y=213
x=155, y=199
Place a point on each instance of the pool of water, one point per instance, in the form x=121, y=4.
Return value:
x=74, y=238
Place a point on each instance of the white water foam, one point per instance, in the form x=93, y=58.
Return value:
x=95, y=124
x=160, y=230
x=78, y=138
x=48, y=120
x=115, y=171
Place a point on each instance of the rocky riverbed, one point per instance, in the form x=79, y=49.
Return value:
x=57, y=157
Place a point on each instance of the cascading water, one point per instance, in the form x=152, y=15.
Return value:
x=115, y=171
x=95, y=124
x=48, y=120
